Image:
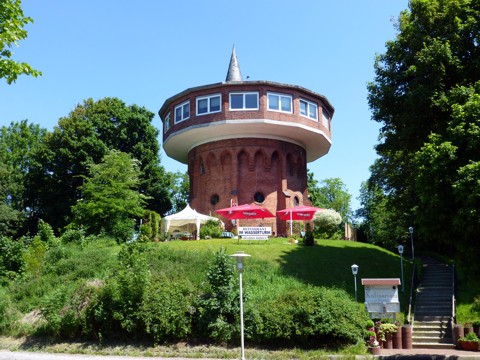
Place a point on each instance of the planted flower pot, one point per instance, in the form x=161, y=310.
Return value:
x=374, y=350
x=468, y=345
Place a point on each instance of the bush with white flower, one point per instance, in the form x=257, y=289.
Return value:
x=327, y=224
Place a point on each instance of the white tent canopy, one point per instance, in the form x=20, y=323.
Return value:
x=185, y=217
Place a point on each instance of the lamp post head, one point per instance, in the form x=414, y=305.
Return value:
x=239, y=255
x=410, y=229
x=400, y=249
x=354, y=269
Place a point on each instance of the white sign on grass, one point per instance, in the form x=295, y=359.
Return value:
x=254, y=232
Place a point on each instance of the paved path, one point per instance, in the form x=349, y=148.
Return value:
x=26, y=355
x=429, y=354
x=387, y=354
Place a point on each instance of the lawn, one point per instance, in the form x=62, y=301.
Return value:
x=328, y=263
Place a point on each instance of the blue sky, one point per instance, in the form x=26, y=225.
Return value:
x=146, y=51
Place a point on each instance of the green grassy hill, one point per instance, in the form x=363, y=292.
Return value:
x=328, y=263
x=271, y=264
x=63, y=279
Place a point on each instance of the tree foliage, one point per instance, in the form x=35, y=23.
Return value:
x=110, y=196
x=180, y=191
x=330, y=193
x=425, y=95
x=12, y=22
x=85, y=137
x=17, y=143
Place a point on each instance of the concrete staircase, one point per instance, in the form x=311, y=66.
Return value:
x=432, y=325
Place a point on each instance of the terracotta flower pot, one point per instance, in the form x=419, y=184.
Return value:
x=468, y=345
x=388, y=343
x=374, y=350
x=397, y=338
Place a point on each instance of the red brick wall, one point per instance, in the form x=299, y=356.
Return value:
x=262, y=113
x=236, y=169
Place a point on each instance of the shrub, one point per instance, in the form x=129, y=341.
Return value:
x=167, y=311
x=7, y=312
x=64, y=311
x=11, y=258
x=326, y=223
x=308, y=239
x=149, y=230
x=46, y=234
x=471, y=336
x=211, y=228
x=116, y=309
x=306, y=316
x=73, y=236
x=218, y=307
x=123, y=230
x=34, y=257
x=476, y=304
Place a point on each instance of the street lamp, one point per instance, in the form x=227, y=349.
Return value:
x=239, y=255
x=400, y=251
x=354, y=272
x=410, y=229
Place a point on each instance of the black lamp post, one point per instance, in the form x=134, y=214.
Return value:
x=400, y=251
x=410, y=230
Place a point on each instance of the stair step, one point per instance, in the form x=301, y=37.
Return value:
x=430, y=340
x=433, y=346
x=432, y=334
x=432, y=327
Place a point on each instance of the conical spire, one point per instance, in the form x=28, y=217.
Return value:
x=234, y=73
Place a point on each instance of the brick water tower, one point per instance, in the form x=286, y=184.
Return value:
x=247, y=142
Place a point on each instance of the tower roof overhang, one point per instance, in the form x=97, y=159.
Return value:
x=314, y=141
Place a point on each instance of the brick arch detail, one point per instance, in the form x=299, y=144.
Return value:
x=237, y=168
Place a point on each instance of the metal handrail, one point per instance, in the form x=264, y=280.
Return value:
x=454, y=315
x=412, y=286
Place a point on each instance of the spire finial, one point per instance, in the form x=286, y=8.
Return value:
x=234, y=73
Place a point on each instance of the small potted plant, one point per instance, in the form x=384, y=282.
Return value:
x=373, y=344
x=387, y=330
x=469, y=342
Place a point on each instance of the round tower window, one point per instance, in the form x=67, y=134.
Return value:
x=214, y=199
x=259, y=197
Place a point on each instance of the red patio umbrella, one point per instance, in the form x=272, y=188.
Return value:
x=301, y=212
x=245, y=212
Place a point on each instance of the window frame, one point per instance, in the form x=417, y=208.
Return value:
x=183, y=118
x=209, y=99
x=166, y=124
x=244, y=93
x=308, y=103
x=280, y=95
x=325, y=119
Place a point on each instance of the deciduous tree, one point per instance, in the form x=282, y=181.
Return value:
x=12, y=22
x=84, y=137
x=415, y=96
x=110, y=198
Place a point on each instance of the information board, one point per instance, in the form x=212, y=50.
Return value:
x=254, y=233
